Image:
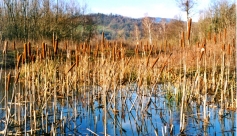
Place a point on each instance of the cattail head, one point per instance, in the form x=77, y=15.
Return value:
x=223, y=47
x=189, y=28
x=214, y=39
x=14, y=45
x=228, y=50
x=25, y=52
x=29, y=49
x=56, y=47
x=43, y=52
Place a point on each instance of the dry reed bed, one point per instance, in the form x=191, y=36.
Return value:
x=202, y=73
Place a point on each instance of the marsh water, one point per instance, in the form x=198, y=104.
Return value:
x=130, y=112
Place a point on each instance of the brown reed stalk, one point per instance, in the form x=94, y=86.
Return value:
x=202, y=53
x=233, y=42
x=71, y=68
x=18, y=61
x=17, y=77
x=96, y=51
x=8, y=81
x=147, y=61
x=128, y=61
x=136, y=51
x=25, y=52
x=37, y=51
x=43, y=52
x=4, y=51
x=140, y=81
x=189, y=28
x=154, y=63
x=53, y=40
x=220, y=37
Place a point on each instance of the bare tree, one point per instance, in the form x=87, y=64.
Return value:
x=148, y=23
x=186, y=5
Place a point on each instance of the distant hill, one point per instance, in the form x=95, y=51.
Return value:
x=117, y=26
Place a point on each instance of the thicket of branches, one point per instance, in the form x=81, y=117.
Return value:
x=40, y=19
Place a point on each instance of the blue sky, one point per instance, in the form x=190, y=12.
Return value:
x=138, y=8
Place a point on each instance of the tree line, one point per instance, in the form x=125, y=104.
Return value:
x=40, y=19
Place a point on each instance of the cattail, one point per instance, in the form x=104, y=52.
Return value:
x=14, y=45
x=8, y=81
x=29, y=49
x=123, y=53
x=5, y=47
x=53, y=40
x=152, y=66
x=181, y=43
x=25, y=52
x=113, y=52
x=209, y=36
x=228, y=50
x=223, y=47
x=189, y=28
x=214, y=39
x=197, y=44
x=65, y=45
x=96, y=51
x=183, y=40
x=43, y=51
x=147, y=62
x=77, y=60
x=56, y=47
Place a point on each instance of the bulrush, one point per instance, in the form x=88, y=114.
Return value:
x=56, y=47
x=223, y=47
x=189, y=28
x=29, y=49
x=14, y=45
x=43, y=52
x=228, y=50
x=214, y=39
x=77, y=60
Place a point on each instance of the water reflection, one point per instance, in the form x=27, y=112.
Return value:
x=127, y=113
